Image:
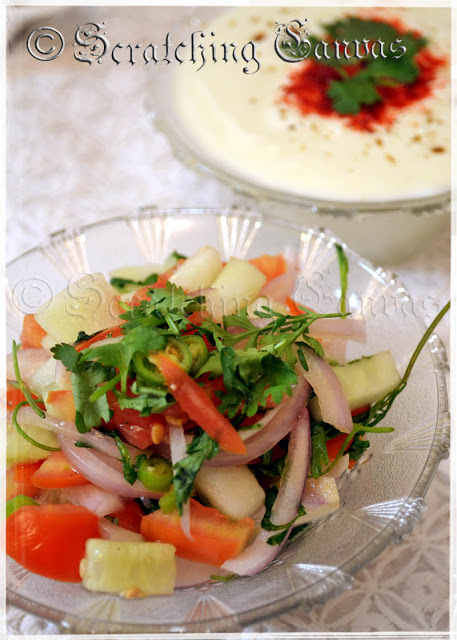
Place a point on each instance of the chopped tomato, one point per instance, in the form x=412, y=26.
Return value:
x=334, y=445
x=142, y=294
x=134, y=428
x=195, y=402
x=14, y=397
x=216, y=538
x=32, y=333
x=19, y=480
x=60, y=403
x=130, y=516
x=50, y=540
x=112, y=332
x=56, y=473
x=270, y=266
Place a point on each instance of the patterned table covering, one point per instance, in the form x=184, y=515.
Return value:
x=80, y=149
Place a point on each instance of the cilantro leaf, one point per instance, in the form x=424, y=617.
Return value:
x=85, y=380
x=120, y=354
x=350, y=94
x=84, y=383
x=319, y=455
x=121, y=283
x=152, y=400
x=202, y=448
x=67, y=354
x=270, y=498
x=129, y=468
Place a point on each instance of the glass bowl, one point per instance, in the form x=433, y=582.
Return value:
x=384, y=231
x=380, y=501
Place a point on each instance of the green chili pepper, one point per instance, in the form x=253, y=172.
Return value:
x=17, y=502
x=176, y=348
x=198, y=350
x=155, y=473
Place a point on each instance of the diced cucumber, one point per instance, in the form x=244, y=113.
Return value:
x=84, y=305
x=43, y=377
x=238, y=284
x=18, y=450
x=198, y=271
x=234, y=491
x=131, y=569
x=364, y=381
x=140, y=272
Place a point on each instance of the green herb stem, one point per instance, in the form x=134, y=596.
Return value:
x=21, y=385
x=105, y=388
x=21, y=432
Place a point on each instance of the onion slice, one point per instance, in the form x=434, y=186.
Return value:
x=103, y=471
x=348, y=328
x=259, y=554
x=178, y=450
x=281, y=287
x=29, y=360
x=277, y=425
x=96, y=439
x=97, y=500
x=330, y=395
x=110, y=531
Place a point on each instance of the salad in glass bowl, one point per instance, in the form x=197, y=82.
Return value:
x=187, y=428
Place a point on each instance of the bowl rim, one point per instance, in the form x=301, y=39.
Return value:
x=160, y=112
x=409, y=511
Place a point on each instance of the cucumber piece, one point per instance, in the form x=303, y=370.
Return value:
x=131, y=569
x=43, y=377
x=18, y=450
x=198, y=271
x=364, y=381
x=140, y=272
x=234, y=491
x=238, y=284
x=84, y=305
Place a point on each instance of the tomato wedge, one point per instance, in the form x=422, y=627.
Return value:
x=270, y=266
x=19, y=480
x=130, y=516
x=216, y=538
x=32, y=333
x=112, y=332
x=196, y=403
x=56, y=473
x=50, y=540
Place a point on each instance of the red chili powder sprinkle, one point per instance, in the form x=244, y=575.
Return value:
x=307, y=90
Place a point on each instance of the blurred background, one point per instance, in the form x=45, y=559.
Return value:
x=80, y=148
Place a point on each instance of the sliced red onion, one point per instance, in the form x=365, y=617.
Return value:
x=259, y=553
x=281, y=287
x=97, y=500
x=320, y=497
x=110, y=531
x=278, y=424
x=335, y=349
x=191, y=574
x=178, y=450
x=103, y=471
x=330, y=395
x=96, y=439
x=29, y=360
x=348, y=328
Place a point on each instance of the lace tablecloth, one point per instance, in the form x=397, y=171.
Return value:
x=80, y=149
